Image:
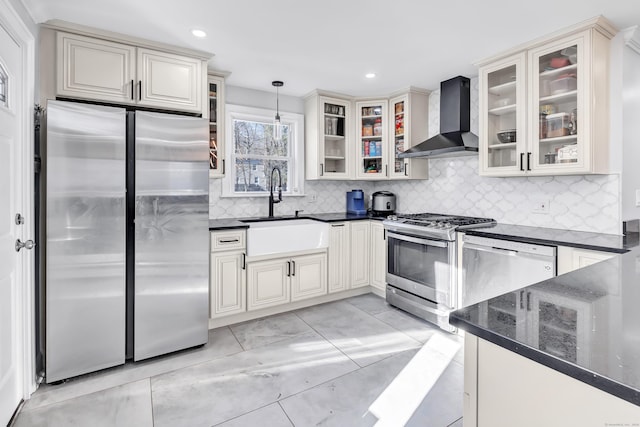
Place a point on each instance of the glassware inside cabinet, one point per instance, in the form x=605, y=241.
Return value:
x=334, y=138
x=371, y=139
x=558, y=99
x=214, y=161
x=398, y=136
x=502, y=118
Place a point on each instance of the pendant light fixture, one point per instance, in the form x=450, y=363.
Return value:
x=277, y=125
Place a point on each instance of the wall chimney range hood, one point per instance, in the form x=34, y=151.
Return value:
x=454, y=138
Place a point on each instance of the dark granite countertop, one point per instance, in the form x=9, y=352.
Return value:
x=552, y=236
x=231, y=223
x=585, y=324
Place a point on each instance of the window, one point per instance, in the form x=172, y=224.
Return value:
x=253, y=153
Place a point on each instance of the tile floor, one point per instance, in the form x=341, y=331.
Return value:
x=354, y=362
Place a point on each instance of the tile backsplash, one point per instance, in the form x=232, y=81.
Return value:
x=580, y=202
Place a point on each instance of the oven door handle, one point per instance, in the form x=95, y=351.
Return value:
x=418, y=240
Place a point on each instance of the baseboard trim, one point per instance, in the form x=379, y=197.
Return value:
x=252, y=315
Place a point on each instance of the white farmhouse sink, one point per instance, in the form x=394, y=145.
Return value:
x=274, y=237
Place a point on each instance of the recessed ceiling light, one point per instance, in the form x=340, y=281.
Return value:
x=370, y=75
x=199, y=33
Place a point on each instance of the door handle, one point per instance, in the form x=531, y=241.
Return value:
x=288, y=268
x=522, y=162
x=528, y=161
x=528, y=301
x=244, y=261
x=29, y=244
x=223, y=166
x=522, y=300
x=293, y=268
x=133, y=90
x=140, y=90
x=405, y=169
x=321, y=169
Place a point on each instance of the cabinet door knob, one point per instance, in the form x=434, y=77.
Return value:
x=29, y=244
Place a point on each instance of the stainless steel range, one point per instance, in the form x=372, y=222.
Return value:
x=421, y=263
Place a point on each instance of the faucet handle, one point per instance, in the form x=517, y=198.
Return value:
x=297, y=212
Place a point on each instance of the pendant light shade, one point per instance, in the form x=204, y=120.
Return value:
x=277, y=125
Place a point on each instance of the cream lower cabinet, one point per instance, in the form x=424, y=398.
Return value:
x=339, y=271
x=360, y=235
x=378, y=253
x=570, y=259
x=228, y=286
x=502, y=388
x=101, y=70
x=279, y=281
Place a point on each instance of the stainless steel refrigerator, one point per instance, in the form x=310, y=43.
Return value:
x=126, y=257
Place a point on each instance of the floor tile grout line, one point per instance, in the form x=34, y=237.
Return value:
x=153, y=422
x=326, y=339
x=242, y=415
x=285, y=413
x=454, y=422
x=236, y=338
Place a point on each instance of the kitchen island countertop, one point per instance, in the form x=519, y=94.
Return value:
x=585, y=323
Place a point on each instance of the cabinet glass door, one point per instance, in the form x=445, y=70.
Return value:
x=334, y=157
x=371, y=138
x=503, y=130
x=400, y=138
x=556, y=73
x=214, y=152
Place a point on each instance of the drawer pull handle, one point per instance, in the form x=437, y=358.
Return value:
x=229, y=240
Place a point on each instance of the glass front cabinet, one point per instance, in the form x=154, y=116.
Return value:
x=408, y=126
x=372, y=139
x=328, y=141
x=544, y=110
x=215, y=85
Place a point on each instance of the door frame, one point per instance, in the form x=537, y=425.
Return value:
x=25, y=329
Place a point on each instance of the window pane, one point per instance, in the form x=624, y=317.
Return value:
x=256, y=138
x=254, y=174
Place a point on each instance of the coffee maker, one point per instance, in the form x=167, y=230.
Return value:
x=355, y=202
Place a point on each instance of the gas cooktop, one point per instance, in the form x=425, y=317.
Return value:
x=434, y=225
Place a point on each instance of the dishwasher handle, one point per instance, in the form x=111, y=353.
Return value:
x=490, y=249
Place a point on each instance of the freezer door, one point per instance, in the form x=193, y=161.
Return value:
x=171, y=233
x=85, y=239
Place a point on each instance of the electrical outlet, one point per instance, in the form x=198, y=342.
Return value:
x=313, y=197
x=541, y=207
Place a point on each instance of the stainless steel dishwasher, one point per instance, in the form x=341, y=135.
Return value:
x=492, y=267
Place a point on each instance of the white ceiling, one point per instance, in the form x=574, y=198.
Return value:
x=331, y=44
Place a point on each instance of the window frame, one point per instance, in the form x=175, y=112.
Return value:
x=296, y=147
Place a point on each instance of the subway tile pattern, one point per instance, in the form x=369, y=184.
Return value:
x=580, y=202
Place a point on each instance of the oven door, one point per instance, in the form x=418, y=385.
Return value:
x=423, y=267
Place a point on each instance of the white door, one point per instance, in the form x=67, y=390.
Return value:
x=10, y=303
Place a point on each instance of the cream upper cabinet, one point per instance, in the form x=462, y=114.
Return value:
x=408, y=126
x=95, y=69
x=216, y=98
x=544, y=110
x=502, y=126
x=328, y=138
x=378, y=260
x=372, y=140
x=166, y=80
x=101, y=70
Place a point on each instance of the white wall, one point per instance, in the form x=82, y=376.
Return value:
x=631, y=126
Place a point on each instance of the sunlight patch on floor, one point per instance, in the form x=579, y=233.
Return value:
x=397, y=403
